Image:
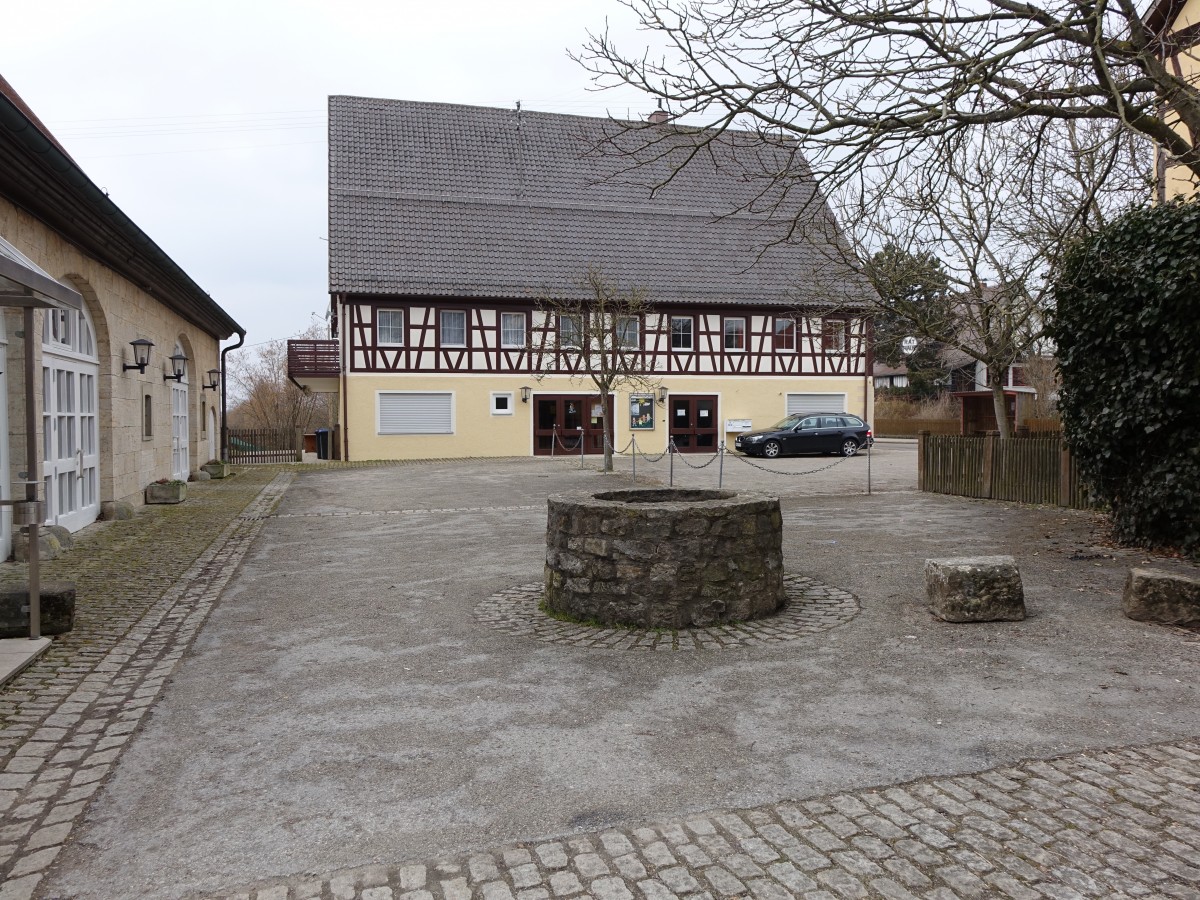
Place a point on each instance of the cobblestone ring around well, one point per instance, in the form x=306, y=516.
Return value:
x=811, y=608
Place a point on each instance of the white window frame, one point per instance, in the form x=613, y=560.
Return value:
x=502, y=412
x=509, y=345
x=379, y=314
x=626, y=341
x=691, y=332
x=578, y=321
x=725, y=334
x=442, y=342
x=835, y=328
x=379, y=408
x=795, y=329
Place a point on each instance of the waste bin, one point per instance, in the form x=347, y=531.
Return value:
x=322, y=443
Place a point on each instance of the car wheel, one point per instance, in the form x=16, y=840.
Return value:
x=771, y=449
x=849, y=447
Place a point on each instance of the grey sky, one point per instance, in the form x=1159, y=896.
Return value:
x=205, y=122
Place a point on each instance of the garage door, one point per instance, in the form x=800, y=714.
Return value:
x=806, y=403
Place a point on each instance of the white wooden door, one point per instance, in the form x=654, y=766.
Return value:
x=5, y=437
x=70, y=442
x=180, y=462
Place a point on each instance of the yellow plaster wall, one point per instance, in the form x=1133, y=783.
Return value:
x=1178, y=181
x=120, y=312
x=478, y=433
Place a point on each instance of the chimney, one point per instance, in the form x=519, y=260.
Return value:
x=659, y=117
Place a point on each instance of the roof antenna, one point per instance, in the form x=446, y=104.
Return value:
x=518, y=115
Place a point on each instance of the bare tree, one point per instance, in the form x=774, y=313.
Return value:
x=597, y=338
x=863, y=85
x=265, y=396
x=996, y=218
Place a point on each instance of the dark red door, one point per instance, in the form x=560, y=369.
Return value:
x=561, y=421
x=693, y=423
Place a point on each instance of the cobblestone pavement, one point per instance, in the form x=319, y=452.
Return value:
x=1116, y=824
x=812, y=607
x=65, y=720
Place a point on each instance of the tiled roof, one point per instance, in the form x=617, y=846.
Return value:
x=445, y=200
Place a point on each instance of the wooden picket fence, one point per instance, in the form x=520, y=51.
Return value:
x=1022, y=470
x=265, y=445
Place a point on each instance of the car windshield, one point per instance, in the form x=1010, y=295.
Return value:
x=785, y=424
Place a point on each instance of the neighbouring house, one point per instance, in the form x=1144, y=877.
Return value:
x=449, y=226
x=1176, y=25
x=106, y=426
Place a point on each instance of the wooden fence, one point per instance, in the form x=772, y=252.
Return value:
x=265, y=445
x=1023, y=470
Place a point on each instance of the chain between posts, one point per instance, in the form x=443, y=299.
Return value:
x=746, y=460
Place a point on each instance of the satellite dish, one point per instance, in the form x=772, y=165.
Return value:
x=909, y=345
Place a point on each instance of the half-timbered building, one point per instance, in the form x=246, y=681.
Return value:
x=457, y=234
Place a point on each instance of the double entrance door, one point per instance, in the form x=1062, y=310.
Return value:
x=561, y=421
x=71, y=442
x=692, y=423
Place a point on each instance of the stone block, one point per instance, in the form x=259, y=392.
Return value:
x=48, y=543
x=199, y=475
x=1152, y=595
x=116, y=510
x=57, y=605
x=975, y=589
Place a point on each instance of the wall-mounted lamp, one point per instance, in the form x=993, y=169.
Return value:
x=525, y=394
x=178, y=368
x=214, y=380
x=141, y=355
x=662, y=395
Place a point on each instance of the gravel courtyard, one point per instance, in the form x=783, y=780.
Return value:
x=344, y=705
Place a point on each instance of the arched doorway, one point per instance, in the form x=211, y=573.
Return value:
x=180, y=437
x=70, y=431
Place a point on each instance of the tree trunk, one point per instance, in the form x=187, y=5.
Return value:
x=996, y=383
x=604, y=429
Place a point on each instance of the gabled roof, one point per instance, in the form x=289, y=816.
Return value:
x=37, y=175
x=475, y=202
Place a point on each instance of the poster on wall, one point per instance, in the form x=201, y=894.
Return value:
x=641, y=412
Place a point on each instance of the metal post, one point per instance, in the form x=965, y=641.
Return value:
x=721, y=466
x=870, y=442
x=33, y=477
x=553, y=438
x=580, y=429
x=633, y=443
x=671, y=455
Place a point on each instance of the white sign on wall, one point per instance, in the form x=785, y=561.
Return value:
x=738, y=425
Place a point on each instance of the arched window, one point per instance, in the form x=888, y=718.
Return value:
x=69, y=330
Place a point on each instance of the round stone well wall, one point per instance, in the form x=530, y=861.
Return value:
x=664, y=558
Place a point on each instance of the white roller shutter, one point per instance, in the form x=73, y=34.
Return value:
x=415, y=413
x=809, y=403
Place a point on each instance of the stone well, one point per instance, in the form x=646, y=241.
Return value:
x=664, y=558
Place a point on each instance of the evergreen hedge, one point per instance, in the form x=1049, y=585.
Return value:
x=1127, y=330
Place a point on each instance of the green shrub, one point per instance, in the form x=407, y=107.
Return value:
x=1127, y=330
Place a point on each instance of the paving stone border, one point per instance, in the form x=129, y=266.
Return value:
x=812, y=607
x=66, y=719
x=1113, y=824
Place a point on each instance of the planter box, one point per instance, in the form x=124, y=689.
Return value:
x=216, y=470
x=166, y=493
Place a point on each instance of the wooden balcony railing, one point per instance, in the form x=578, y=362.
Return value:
x=313, y=359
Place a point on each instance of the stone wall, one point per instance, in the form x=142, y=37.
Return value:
x=120, y=312
x=664, y=558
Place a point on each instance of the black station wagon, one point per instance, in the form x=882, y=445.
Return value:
x=807, y=433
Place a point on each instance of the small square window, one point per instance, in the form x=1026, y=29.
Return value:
x=502, y=403
x=452, y=327
x=735, y=334
x=389, y=327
